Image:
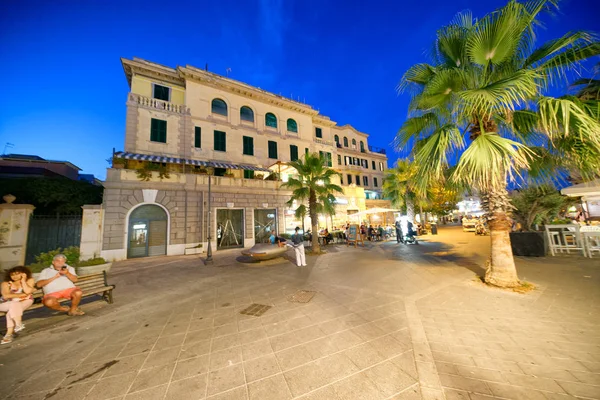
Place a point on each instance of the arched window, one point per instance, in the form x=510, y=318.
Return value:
x=362, y=147
x=292, y=126
x=246, y=114
x=345, y=142
x=271, y=120
x=354, y=143
x=218, y=106
x=337, y=139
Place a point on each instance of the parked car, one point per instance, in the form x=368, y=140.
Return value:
x=469, y=224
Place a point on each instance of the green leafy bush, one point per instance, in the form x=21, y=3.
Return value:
x=286, y=236
x=91, y=261
x=72, y=253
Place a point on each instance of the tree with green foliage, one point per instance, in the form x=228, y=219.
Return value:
x=312, y=186
x=537, y=205
x=401, y=188
x=484, y=101
x=52, y=195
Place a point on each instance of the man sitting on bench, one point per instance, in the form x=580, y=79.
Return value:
x=58, y=282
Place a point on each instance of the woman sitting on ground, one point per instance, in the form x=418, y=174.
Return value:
x=16, y=297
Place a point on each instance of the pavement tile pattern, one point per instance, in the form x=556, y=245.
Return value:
x=387, y=322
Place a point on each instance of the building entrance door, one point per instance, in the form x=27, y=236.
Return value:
x=265, y=222
x=230, y=229
x=147, y=232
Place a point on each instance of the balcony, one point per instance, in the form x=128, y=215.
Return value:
x=148, y=102
x=377, y=150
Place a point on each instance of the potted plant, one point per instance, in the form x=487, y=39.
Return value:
x=92, y=266
x=118, y=162
x=229, y=174
x=144, y=173
x=534, y=207
x=259, y=176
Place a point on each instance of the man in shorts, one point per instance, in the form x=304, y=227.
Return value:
x=58, y=282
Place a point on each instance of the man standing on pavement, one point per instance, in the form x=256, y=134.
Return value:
x=58, y=282
x=298, y=245
x=399, y=237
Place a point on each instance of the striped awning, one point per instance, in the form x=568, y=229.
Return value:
x=175, y=160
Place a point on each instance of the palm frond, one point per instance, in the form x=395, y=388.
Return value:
x=417, y=75
x=562, y=116
x=432, y=155
x=490, y=160
x=414, y=127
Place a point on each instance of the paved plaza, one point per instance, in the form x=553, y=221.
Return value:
x=387, y=321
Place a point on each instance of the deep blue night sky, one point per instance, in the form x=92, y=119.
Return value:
x=65, y=91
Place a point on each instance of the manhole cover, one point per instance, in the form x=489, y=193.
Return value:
x=302, y=296
x=255, y=309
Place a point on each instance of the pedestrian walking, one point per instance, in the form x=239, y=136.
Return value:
x=298, y=245
x=399, y=237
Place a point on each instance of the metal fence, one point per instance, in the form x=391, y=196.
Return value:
x=49, y=232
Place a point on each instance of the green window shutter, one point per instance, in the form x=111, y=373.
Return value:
x=339, y=159
x=375, y=182
x=373, y=164
x=271, y=120
x=349, y=179
x=161, y=92
x=292, y=126
x=293, y=152
x=329, y=163
x=248, y=174
x=365, y=180
x=357, y=180
x=220, y=141
x=272, y=149
x=248, y=145
x=306, y=150
x=318, y=132
x=197, y=137
x=158, y=130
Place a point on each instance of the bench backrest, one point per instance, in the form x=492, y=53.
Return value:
x=86, y=282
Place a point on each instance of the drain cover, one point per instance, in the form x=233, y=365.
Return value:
x=255, y=310
x=302, y=296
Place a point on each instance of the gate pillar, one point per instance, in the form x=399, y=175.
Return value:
x=91, y=231
x=14, y=227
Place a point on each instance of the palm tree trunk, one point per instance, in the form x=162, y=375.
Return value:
x=501, y=270
x=314, y=221
x=410, y=210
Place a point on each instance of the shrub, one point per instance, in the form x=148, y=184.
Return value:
x=286, y=236
x=91, y=261
x=72, y=254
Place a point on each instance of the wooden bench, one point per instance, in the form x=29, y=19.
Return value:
x=90, y=285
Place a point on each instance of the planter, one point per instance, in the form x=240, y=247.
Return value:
x=528, y=244
x=93, y=269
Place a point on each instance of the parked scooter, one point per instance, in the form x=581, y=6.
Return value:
x=410, y=237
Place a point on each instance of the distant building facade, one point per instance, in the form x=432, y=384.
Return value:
x=183, y=122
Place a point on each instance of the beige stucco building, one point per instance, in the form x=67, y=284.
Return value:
x=183, y=122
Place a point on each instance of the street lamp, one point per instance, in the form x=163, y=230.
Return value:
x=209, y=259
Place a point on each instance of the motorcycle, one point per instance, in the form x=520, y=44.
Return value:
x=411, y=238
x=481, y=229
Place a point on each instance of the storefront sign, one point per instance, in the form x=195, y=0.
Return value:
x=354, y=235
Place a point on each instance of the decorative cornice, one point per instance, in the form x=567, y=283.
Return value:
x=152, y=70
x=353, y=129
x=239, y=88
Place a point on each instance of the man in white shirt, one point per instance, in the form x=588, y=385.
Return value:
x=58, y=282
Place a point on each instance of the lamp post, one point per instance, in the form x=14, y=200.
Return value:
x=209, y=259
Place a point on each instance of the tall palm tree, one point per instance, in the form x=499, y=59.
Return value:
x=313, y=185
x=400, y=186
x=482, y=103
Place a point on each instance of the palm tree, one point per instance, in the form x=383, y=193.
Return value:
x=313, y=185
x=400, y=187
x=482, y=102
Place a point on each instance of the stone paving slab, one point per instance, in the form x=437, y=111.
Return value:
x=388, y=322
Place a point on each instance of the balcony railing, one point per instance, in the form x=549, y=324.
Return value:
x=162, y=105
x=378, y=150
